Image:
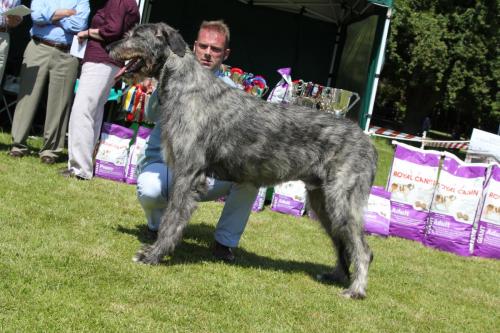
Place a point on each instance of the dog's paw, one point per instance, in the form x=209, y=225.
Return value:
x=349, y=293
x=146, y=255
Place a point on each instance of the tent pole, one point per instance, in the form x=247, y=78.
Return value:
x=334, y=56
x=144, y=9
x=380, y=60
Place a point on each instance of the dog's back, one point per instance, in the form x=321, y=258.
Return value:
x=271, y=143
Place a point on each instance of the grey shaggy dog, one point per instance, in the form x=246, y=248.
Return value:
x=209, y=128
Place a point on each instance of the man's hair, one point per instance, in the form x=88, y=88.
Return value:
x=219, y=26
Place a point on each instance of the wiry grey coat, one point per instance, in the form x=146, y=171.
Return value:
x=209, y=128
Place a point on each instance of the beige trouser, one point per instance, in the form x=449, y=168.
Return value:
x=4, y=52
x=42, y=64
x=85, y=122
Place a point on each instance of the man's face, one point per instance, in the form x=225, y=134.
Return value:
x=210, y=48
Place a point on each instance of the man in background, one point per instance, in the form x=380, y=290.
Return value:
x=7, y=22
x=155, y=179
x=47, y=61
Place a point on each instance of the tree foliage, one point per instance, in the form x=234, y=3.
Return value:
x=442, y=60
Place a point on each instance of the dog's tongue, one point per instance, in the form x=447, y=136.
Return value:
x=120, y=73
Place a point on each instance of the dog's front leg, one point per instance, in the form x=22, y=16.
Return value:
x=182, y=203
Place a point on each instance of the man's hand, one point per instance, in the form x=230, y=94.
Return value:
x=13, y=20
x=62, y=13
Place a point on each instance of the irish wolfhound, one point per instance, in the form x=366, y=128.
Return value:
x=209, y=128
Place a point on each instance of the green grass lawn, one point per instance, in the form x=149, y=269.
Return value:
x=66, y=248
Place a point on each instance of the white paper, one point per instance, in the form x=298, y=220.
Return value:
x=485, y=142
x=77, y=48
x=21, y=10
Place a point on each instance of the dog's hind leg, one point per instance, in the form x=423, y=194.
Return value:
x=182, y=203
x=344, y=206
x=340, y=273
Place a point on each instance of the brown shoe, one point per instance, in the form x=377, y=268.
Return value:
x=48, y=159
x=16, y=154
x=222, y=252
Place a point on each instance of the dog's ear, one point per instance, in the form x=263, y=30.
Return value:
x=177, y=43
x=173, y=38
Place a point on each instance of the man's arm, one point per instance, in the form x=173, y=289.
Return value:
x=59, y=14
x=77, y=22
x=41, y=12
x=13, y=21
x=122, y=19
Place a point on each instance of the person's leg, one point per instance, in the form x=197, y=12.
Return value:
x=87, y=112
x=234, y=217
x=153, y=184
x=155, y=180
x=4, y=52
x=237, y=208
x=34, y=72
x=63, y=69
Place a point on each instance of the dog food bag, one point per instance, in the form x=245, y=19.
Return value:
x=290, y=198
x=378, y=213
x=258, y=204
x=488, y=235
x=454, y=206
x=282, y=92
x=113, y=151
x=136, y=151
x=411, y=182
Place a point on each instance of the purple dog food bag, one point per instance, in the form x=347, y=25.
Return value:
x=136, y=151
x=488, y=235
x=113, y=151
x=411, y=182
x=258, y=204
x=290, y=198
x=455, y=205
x=282, y=93
x=378, y=213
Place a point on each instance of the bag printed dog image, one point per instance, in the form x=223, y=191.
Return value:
x=136, y=151
x=378, y=213
x=454, y=206
x=113, y=151
x=258, y=204
x=290, y=198
x=488, y=235
x=411, y=182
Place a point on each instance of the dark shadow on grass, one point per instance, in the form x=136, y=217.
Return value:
x=190, y=251
x=4, y=147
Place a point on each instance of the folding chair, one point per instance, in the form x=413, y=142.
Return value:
x=6, y=106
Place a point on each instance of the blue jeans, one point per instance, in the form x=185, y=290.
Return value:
x=153, y=185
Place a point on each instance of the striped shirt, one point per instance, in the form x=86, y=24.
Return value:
x=6, y=5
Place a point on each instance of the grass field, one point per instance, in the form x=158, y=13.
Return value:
x=65, y=265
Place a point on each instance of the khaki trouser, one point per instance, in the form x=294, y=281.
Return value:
x=4, y=51
x=44, y=64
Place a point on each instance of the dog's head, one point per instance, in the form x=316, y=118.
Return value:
x=145, y=49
